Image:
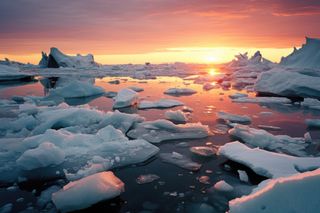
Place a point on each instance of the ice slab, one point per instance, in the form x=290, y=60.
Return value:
x=180, y=161
x=88, y=191
x=162, y=103
x=268, y=164
x=265, y=140
x=125, y=98
x=263, y=100
x=176, y=116
x=163, y=130
x=180, y=91
x=243, y=119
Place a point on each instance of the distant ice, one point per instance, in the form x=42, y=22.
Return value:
x=162, y=103
x=203, y=151
x=180, y=91
x=262, y=100
x=244, y=119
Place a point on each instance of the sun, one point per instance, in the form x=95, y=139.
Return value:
x=212, y=71
x=209, y=59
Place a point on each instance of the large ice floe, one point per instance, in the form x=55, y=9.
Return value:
x=85, y=192
x=125, y=98
x=57, y=59
x=266, y=163
x=162, y=103
x=288, y=83
x=12, y=73
x=308, y=56
x=297, y=193
x=265, y=140
x=163, y=130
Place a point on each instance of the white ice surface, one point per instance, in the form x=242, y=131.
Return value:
x=125, y=98
x=162, y=103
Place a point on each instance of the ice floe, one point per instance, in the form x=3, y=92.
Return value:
x=163, y=130
x=180, y=161
x=266, y=163
x=265, y=140
x=263, y=100
x=243, y=119
x=162, y=103
x=125, y=98
x=180, y=91
x=297, y=193
x=88, y=191
x=11, y=73
x=176, y=116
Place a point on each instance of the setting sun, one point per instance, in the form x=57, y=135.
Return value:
x=212, y=71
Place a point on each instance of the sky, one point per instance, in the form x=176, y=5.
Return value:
x=136, y=31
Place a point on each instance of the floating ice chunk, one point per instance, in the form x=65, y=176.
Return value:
x=162, y=103
x=203, y=151
x=187, y=109
x=267, y=127
x=313, y=123
x=77, y=89
x=223, y=186
x=11, y=73
x=287, y=194
x=311, y=103
x=204, y=179
x=88, y=191
x=265, y=140
x=45, y=196
x=125, y=98
x=136, y=89
x=180, y=91
x=307, y=137
x=266, y=113
x=244, y=119
x=210, y=86
x=142, y=179
x=121, y=121
x=263, y=100
x=163, y=130
x=238, y=95
x=176, y=116
x=180, y=161
x=46, y=154
x=6, y=208
x=243, y=176
x=65, y=116
x=288, y=83
x=111, y=134
x=268, y=164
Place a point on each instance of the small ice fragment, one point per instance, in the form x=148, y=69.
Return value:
x=203, y=151
x=204, y=179
x=148, y=178
x=223, y=186
x=243, y=176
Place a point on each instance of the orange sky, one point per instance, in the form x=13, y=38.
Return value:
x=124, y=31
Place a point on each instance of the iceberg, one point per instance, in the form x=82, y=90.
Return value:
x=288, y=84
x=308, y=56
x=266, y=163
x=57, y=59
x=297, y=193
x=162, y=103
x=87, y=191
x=11, y=73
x=163, y=130
x=176, y=116
x=265, y=140
x=125, y=98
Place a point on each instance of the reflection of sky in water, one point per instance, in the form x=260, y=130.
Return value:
x=205, y=104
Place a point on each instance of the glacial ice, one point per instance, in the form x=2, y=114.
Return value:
x=87, y=191
x=266, y=163
x=238, y=95
x=125, y=98
x=265, y=140
x=176, y=116
x=163, y=130
x=296, y=193
x=243, y=119
x=162, y=103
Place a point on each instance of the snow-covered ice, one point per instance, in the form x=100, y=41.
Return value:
x=243, y=119
x=180, y=91
x=163, y=130
x=265, y=140
x=11, y=73
x=238, y=95
x=85, y=192
x=162, y=103
x=125, y=98
x=176, y=116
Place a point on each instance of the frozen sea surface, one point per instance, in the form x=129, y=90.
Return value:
x=176, y=189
